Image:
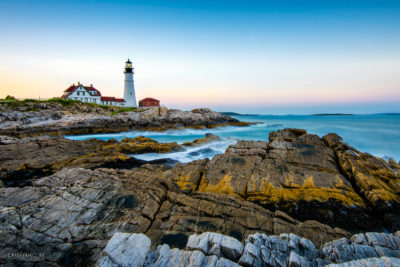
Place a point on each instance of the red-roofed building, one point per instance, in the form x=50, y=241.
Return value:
x=149, y=102
x=89, y=94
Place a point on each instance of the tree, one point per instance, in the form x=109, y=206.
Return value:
x=9, y=97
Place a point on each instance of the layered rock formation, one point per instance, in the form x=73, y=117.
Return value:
x=376, y=180
x=79, y=118
x=26, y=159
x=302, y=175
x=23, y=160
x=318, y=189
x=216, y=250
x=69, y=216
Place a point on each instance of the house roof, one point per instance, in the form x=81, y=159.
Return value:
x=111, y=98
x=73, y=87
x=65, y=95
x=91, y=88
x=107, y=98
x=149, y=99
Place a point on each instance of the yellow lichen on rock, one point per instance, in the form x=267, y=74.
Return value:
x=377, y=180
x=269, y=194
x=223, y=187
x=184, y=182
x=309, y=183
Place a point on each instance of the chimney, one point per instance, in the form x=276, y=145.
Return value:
x=79, y=83
x=91, y=85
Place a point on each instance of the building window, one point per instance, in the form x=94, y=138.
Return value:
x=83, y=93
x=78, y=93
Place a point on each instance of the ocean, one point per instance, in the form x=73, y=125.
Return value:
x=377, y=134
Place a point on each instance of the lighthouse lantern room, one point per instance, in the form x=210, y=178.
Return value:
x=129, y=87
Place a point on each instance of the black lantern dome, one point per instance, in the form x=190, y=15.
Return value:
x=128, y=66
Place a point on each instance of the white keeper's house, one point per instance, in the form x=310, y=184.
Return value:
x=89, y=94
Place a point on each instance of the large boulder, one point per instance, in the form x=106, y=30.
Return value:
x=125, y=250
x=295, y=172
x=376, y=180
x=285, y=250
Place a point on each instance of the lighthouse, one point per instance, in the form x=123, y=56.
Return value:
x=129, y=87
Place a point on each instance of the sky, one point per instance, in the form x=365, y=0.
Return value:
x=269, y=57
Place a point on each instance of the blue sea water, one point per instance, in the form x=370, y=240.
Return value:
x=377, y=134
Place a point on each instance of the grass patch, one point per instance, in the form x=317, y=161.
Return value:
x=62, y=101
x=125, y=109
x=27, y=105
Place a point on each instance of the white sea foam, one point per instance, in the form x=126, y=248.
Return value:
x=208, y=150
x=377, y=134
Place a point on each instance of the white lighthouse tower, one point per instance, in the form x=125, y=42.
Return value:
x=129, y=87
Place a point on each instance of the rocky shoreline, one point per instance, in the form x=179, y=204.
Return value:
x=61, y=201
x=213, y=249
x=46, y=155
x=54, y=119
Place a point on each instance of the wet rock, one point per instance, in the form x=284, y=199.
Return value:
x=198, y=243
x=222, y=262
x=207, y=139
x=255, y=253
x=251, y=255
x=359, y=239
x=371, y=262
x=308, y=248
x=339, y=251
x=376, y=180
x=295, y=172
x=44, y=156
x=295, y=260
x=382, y=240
x=231, y=248
x=364, y=252
x=125, y=249
x=74, y=211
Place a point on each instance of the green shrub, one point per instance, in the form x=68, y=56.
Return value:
x=64, y=102
x=29, y=100
x=9, y=97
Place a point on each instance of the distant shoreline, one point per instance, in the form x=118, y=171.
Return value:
x=230, y=113
x=332, y=114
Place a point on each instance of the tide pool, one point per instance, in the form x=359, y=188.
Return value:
x=377, y=134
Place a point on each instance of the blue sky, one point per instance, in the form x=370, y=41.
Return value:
x=271, y=57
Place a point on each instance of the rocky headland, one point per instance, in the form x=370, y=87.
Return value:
x=27, y=119
x=296, y=200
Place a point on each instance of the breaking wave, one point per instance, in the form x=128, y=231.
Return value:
x=377, y=134
x=191, y=153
